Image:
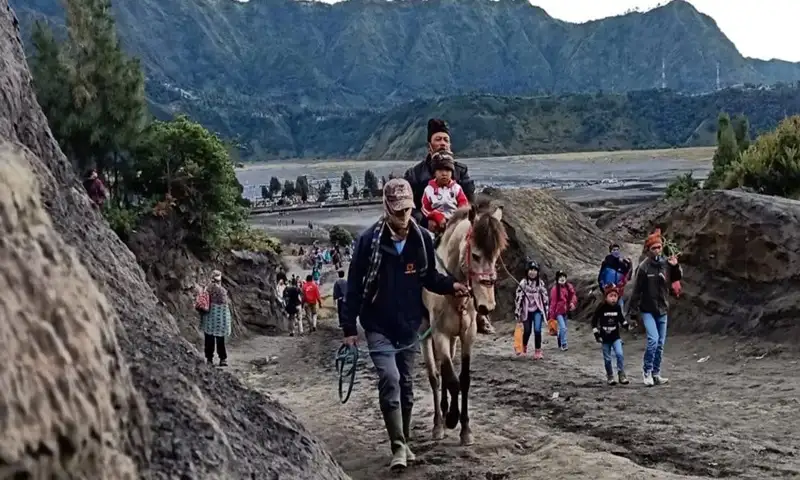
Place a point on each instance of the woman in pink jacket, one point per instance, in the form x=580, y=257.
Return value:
x=563, y=301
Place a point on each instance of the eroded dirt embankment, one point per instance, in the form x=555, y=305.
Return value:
x=741, y=259
x=200, y=422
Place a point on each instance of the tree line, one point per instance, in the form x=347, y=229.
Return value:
x=372, y=188
x=770, y=165
x=94, y=98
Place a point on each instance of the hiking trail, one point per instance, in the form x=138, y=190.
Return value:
x=730, y=410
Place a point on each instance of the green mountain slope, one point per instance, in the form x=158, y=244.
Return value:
x=485, y=125
x=375, y=53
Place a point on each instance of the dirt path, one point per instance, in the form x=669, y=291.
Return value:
x=734, y=415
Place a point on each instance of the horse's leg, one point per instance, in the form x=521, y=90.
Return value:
x=435, y=379
x=467, y=341
x=449, y=380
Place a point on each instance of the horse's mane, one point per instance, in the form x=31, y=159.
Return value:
x=488, y=232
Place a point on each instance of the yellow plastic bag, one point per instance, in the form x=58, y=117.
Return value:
x=552, y=327
x=518, y=332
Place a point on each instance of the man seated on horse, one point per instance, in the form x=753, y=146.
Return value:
x=392, y=262
x=421, y=174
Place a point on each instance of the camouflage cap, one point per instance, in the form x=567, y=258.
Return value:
x=398, y=195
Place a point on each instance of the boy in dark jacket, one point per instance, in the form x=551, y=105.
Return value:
x=606, y=322
x=392, y=262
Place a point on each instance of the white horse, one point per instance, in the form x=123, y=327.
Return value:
x=469, y=248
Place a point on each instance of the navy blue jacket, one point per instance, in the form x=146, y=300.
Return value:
x=396, y=310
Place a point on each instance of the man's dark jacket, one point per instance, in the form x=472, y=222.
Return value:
x=653, y=280
x=420, y=174
x=394, y=306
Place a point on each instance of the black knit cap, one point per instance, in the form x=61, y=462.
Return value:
x=442, y=159
x=436, y=125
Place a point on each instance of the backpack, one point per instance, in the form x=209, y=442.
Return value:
x=202, y=303
x=309, y=292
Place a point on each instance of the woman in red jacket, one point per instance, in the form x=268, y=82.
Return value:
x=563, y=301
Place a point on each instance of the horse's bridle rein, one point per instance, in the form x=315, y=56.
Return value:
x=487, y=279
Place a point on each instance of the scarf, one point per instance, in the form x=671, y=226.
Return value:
x=377, y=255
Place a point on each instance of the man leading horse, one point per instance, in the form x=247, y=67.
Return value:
x=392, y=262
x=420, y=174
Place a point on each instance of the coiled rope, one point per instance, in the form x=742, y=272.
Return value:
x=347, y=363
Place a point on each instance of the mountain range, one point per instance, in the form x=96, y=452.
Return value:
x=271, y=62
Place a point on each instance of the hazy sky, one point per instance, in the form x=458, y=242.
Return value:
x=759, y=28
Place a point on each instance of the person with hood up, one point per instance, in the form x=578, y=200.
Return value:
x=654, y=277
x=615, y=270
x=216, y=323
x=531, y=304
x=96, y=189
x=393, y=261
x=606, y=322
x=563, y=301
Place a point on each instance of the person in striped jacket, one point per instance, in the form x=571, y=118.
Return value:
x=531, y=308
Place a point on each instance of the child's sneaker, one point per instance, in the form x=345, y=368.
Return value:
x=623, y=379
x=523, y=352
x=647, y=378
x=659, y=380
x=610, y=380
x=538, y=354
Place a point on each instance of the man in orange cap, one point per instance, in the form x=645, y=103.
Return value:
x=650, y=293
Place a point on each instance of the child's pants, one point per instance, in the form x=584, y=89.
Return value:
x=562, y=330
x=614, y=348
x=534, y=320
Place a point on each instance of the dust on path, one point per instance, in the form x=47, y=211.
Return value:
x=732, y=416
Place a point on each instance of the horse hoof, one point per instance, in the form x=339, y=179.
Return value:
x=451, y=419
x=438, y=433
x=467, y=439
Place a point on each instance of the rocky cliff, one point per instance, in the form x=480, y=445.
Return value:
x=203, y=423
x=174, y=272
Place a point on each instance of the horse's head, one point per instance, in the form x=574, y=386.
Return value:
x=485, y=241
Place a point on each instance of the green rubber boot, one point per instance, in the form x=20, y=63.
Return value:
x=394, y=427
x=407, y=434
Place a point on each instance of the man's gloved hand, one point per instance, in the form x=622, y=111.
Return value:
x=626, y=326
x=597, y=336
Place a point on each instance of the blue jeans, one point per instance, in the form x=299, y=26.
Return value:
x=562, y=330
x=535, y=320
x=616, y=349
x=656, y=328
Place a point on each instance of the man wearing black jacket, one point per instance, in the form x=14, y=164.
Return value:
x=420, y=174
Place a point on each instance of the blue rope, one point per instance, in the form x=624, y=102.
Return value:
x=347, y=362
